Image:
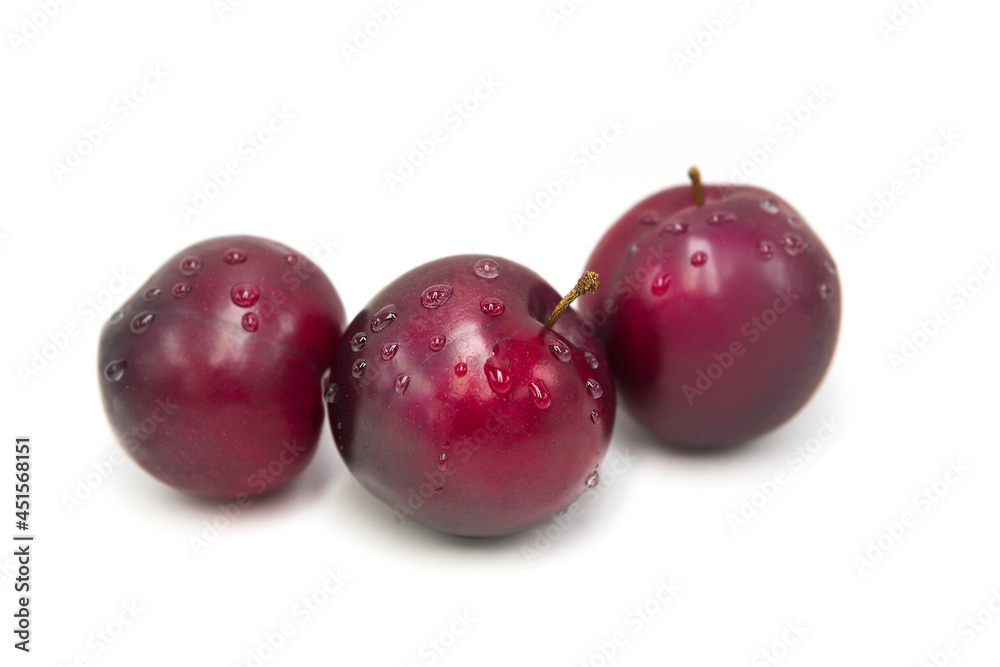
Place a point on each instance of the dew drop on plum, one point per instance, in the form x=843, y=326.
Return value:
x=825, y=291
x=633, y=250
x=674, y=229
x=793, y=244
x=540, y=394
x=830, y=267
x=769, y=205
x=358, y=341
x=661, y=284
x=114, y=371
x=251, y=322
x=593, y=479
x=436, y=342
x=595, y=389
x=721, y=218
x=389, y=351
x=152, y=293
x=384, y=317
x=486, y=268
x=765, y=249
x=117, y=317
x=794, y=222
x=140, y=323
x=699, y=258
x=181, y=290
x=595, y=416
x=244, y=295
x=402, y=383
x=591, y=359
x=560, y=351
x=435, y=296
x=492, y=306
x=443, y=463
x=498, y=375
x=190, y=265
x=292, y=259
x=332, y=393
x=234, y=256
x=358, y=369
x=649, y=218
x=461, y=369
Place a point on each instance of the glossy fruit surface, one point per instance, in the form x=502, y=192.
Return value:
x=719, y=319
x=453, y=403
x=211, y=372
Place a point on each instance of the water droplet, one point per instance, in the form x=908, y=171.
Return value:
x=438, y=489
x=332, y=393
x=560, y=351
x=114, y=371
x=487, y=268
x=402, y=383
x=443, y=463
x=649, y=218
x=435, y=295
x=595, y=389
x=436, y=342
x=190, y=265
x=540, y=394
x=674, y=228
x=117, y=317
x=251, y=322
x=593, y=479
x=181, y=290
x=152, y=293
x=591, y=359
x=595, y=416
x=769, y=205
x=661, y=284
x=244, y=295
x=140, y=323
x=358, y=341
x=830, y=266
x=389, y=351
x=700, y=258
x=234, y=256
x=721, y=218
x=794, y=222
x=633, y=250
x=384, y=318
x=292, y=258
x=498, y=375
x=793, y=244
x=358, y=369
x=492, y=306
x=766, y=249
x=461, y=369
x=825, y=291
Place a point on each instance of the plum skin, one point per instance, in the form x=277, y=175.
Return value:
x=216, y=398
x=449, y=450
x=716, y=353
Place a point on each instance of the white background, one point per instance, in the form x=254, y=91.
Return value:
x=321, y=184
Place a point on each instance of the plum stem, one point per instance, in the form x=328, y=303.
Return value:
x=588, y=283
x=696, y=186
